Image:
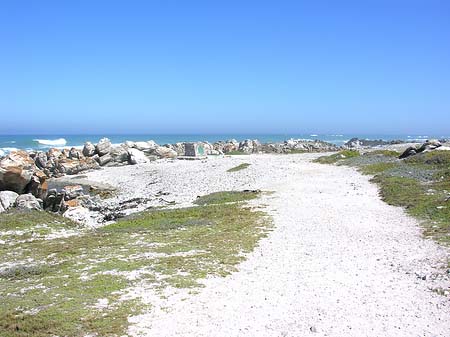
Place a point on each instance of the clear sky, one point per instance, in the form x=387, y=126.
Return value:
x=225, y=66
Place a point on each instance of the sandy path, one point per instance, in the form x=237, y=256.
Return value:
x=339, y=262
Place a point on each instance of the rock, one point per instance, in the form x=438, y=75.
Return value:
x=410, y=151
x=148, y=147
x=165, y=152
x=119, y=154
x=78, y=214
x=16, y=170
x=55, y=201
x=249, y=146
x=137, y=157
x=1, y=209
x=103, y=147
x=41, y=160
x=28, y=202
x=75, y=154
x=38, y=185
x=429, y=145
x=105, y=159
x=72, y=191
x=70, y=166
x=88, y=149
x=7, y=199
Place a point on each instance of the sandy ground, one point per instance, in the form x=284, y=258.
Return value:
x=339, y=262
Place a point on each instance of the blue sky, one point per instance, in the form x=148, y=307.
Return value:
x=225, y=66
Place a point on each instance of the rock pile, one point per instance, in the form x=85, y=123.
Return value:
x=429, y=145
x=356, y=143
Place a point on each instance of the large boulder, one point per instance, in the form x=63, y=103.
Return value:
x=137, y=157
x=148, y=146
x=103, y=147
x=165, y=152
x=41, y=160
x=75, y=153
x=28, y=202
x=88, y=149
x=119, y=154
x=105, y=159
x=7, y=199
x=70, y=166
x=16, y=171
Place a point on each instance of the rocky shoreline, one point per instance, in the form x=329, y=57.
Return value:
x=51, y=180
x=34, y=175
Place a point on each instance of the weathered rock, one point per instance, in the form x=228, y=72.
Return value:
x=28, y=202
x=41, y=160
x=137, y=157
x=72, y=191
x=38, y=185
x=429, y=145
x=105, y=159
x=103, y=147
x=7, y=199
x=119, y=154
x=70, y=166
x=16, y=170
x=88, y=149
x=75, y=153
x=410, y=151
x=165, y=152
x=148, y=146
x=55, y=201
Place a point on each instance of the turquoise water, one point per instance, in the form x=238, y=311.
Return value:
x=42, y=142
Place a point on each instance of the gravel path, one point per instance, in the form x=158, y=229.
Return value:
x=339, y=262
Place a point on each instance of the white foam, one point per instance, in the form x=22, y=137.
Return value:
x=51, y=142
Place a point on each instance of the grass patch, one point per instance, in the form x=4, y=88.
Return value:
x=52, y=287
x=420, y=183
x=237, y=153
x=331, y=159
x=239, y=167
x=226, y=197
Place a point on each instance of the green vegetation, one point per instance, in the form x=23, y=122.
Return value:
x=337, y=156
x=420, y=183
x=73, y=286
x=226, y=197
x=239, y=167
x=237, y=153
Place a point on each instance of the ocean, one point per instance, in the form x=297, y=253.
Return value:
x=43, y=142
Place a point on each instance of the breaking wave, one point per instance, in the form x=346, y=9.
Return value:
x=51, y=142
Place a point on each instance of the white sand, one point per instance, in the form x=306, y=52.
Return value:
x=340, y=262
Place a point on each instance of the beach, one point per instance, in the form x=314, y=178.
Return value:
x=339, y=261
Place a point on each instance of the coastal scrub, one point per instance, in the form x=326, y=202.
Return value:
x=59, y=279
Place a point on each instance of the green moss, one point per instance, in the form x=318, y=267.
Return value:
x=239, y=167
x=376, y=168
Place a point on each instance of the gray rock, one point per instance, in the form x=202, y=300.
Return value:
x=28, y=202
x=137, y=157
x=119, y=154
x=88, y=149
x=41, y=160
x=7, y=199
x=105, y=159
x=410, y=151
x=103, y=147
x=165, y=152
x=75, y=154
